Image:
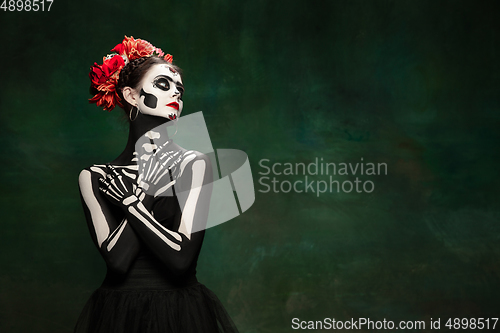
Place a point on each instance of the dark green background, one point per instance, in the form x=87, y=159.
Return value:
x=414, y=84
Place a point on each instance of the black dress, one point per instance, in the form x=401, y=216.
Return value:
x=151, y=298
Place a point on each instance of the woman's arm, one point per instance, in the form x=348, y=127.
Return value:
x=176, y=249
x=109, y=228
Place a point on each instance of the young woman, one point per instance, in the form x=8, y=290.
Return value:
x=144, y=208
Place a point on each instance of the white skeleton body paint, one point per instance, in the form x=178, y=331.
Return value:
x=169, y=172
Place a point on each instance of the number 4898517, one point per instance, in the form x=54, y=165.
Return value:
x=26, y=5
x=471, y=323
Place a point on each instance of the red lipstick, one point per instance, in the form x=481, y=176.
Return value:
x=174, y=105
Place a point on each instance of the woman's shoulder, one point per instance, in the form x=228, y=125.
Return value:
x=95, y=170
x=196, y=154
x=88, y=176
x=191, y=156
x=200, y=164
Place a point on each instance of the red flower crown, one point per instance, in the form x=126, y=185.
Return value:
x=104, y=78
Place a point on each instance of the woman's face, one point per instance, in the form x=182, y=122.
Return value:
x=160, y=92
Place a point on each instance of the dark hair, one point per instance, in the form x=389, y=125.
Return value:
x=132, y=74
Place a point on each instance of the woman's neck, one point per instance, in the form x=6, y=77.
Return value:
x=140, y=126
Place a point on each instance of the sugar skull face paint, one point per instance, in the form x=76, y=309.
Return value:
x=161, y=92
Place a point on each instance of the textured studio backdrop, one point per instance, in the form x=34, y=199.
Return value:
x=412, y=84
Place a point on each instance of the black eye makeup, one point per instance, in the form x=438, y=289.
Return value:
x=161, y=83
x=181, y=90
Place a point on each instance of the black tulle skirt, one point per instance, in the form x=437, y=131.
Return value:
x=146, y=302
x=188, y=309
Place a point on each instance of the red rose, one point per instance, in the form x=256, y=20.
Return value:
x=105, y=78
x=114, y=64
x=99, y=74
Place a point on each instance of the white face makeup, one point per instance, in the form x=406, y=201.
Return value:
x=161, y=92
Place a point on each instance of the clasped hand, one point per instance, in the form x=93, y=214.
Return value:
x=119, y=188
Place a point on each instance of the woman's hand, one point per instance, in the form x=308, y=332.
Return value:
x=157, y=167
x=119, y=189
